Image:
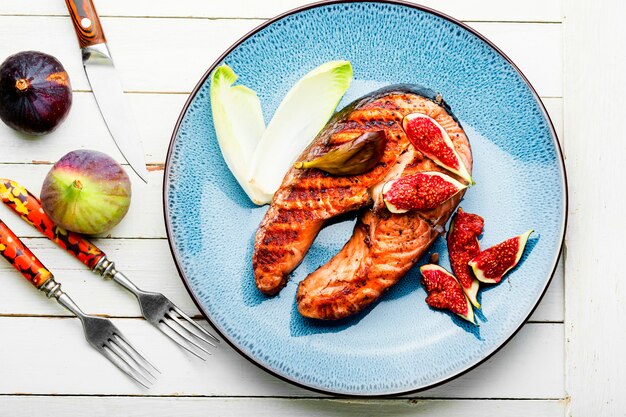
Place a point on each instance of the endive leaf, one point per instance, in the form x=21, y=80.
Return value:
x=304, y=111
x=239, y=125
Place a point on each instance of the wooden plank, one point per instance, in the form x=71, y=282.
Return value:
x=530, y=366
x=144, y=218
x=170, y=55
x=595, y=150
x=551, y=308
x=476, y=10
x=155, y=131
x=149, y=264
x=155, y=114
x=279, y=407
x=192, y=45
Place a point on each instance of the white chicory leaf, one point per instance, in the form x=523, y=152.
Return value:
x=239, y=125
x=301, y=115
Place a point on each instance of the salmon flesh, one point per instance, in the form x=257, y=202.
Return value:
x=384, y=246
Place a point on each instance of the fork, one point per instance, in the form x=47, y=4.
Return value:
x=155, y=307
x=101, y=333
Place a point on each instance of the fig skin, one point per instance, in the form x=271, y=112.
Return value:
x=86, y=192
x=35, y=92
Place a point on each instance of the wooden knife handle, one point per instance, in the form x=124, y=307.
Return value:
x=86, y=22
x=22, y=259
x=29, y=208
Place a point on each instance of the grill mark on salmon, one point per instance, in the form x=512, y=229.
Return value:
x=384, y=246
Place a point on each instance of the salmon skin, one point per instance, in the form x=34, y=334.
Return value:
x=384, y=246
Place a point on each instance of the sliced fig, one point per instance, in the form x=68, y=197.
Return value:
x=433, y=141
x=445, y=292
x=492, y=264
x=422, y=191
x=463, y=247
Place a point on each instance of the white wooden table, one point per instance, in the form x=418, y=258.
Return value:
x=161, y=49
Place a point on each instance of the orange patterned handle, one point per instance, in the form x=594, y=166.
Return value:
x=86, y=22
x=18, y=255
x=28, y=207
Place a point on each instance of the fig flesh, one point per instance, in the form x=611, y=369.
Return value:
x=422, y=191
x=86, y=192
x=462, y=247
x=492, y=264
x=35, y=92
x=433, y=141
x=445, y=292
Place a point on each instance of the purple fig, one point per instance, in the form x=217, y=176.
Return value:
x=445, y=292
x=462, y=247
x=492, y=264
x=35, y=92
x=86, y=192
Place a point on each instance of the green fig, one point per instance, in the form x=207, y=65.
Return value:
x=86, y=192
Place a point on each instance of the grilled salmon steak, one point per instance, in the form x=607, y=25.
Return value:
x=384, y=246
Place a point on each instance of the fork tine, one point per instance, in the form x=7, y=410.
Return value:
x=135, y=351
x=124, y=355
x=174, y=339
x=134, y=354
x=181, y=324
x=182, y=335
x=114, y=358
x=196, y=325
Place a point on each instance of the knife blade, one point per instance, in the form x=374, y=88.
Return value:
x=106, y=85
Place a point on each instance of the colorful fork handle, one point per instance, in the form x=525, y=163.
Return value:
x=18, y=255
x=28, y=207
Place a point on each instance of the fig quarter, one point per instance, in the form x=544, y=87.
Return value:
x=431, y=139
x=445, y=292
x=492, y=264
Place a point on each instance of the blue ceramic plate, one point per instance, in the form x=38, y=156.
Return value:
x=400, y=344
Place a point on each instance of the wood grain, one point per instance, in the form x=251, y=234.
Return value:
x=153, y=61
x=531, y=366
x=595, y=155
x=177, y=42
x=474, y=10
x=155, y=132
x=282, y=407
x=143, y=220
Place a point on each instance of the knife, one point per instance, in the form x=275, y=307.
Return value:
x=105, y=84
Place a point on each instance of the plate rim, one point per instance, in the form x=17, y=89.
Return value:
x=205, y=77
